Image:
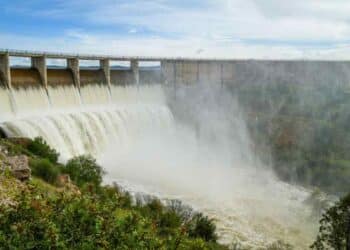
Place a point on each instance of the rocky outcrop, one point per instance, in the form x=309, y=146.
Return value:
x=19, y=167
x=63, y=180
x=64, y=184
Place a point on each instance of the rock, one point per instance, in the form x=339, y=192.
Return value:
x=63, y=180
x=65, y=185
x=19, y=167
x=7, y=202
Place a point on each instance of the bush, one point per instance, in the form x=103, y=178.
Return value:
x=72, y=222
x=202, y=227
x=40, y=148
x=83, y=221
x=84, y=170
x=334, y=232
x=44, y=169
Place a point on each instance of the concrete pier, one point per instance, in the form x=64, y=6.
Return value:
x=73, y=66
x=135, y=71
x=39, y=63
x=5, y=73
x=105, y=66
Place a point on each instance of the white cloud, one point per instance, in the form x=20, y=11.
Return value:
x=214, y=28
x=162, y=47
x=236, y=19
x=132, y=31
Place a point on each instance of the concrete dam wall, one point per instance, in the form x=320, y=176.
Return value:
x=257, y=72
x=172, y=71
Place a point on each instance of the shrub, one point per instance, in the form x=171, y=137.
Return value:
x=83, y=170
x=202, y=227
x=334, y=232
x=185, y=212
x=44, y=169
x=40, y=148
x=168, y=223
x=72, y=222
x=66, y=220
x=27, y=226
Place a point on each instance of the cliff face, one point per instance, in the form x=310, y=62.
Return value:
x=17, y=165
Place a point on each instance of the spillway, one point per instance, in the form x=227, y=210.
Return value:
x=5, y=102
x=77, y=124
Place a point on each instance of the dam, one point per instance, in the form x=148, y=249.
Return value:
x=170, y=71
x=164, y=129
x=40, y=89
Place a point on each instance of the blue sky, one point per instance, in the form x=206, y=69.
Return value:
x=193, y=28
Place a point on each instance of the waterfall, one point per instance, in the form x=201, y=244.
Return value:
x=77, y=125
x=31, y=99
x=95, y=95
x=5, y=102
x=89, y=132
x=65, y=96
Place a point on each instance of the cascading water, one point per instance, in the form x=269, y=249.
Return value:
x=95, y=95
x=82, y=129
x=5, y=102
x=70, y=93
x=134, y=135
x=32, y=99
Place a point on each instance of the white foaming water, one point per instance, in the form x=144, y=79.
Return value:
x=147, y=94
x=248, y=203
x=90, y=131
x=124, y=95
x=65, y=96
x=137, y=140
x=31, y=99
x=95, y=94
x=5, y=102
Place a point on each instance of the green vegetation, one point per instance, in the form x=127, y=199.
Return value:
x=84, y=169
x=334, y=232
x=44, y=169
x=202, y=227
x=41, y=149
x=304, y=127
x=39, y=215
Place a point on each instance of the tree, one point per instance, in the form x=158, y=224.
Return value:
x=334, y=229
x=40, y=148
x=84, y=169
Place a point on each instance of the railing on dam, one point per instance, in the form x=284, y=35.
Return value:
x=32, y=53
x=175, y=70
x=84, y=56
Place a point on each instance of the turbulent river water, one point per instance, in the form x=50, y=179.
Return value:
x=135, y=135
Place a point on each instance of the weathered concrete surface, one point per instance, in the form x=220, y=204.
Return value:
x=39, y=63
x=121, y=77
x=88, y=76
x=135, y=71
x=150, y=76
x=24, y=78
x=5, y=74
x=73, y=66
x=245, y=72
x=104, y=65
x=173, y=71
x=59, y=77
